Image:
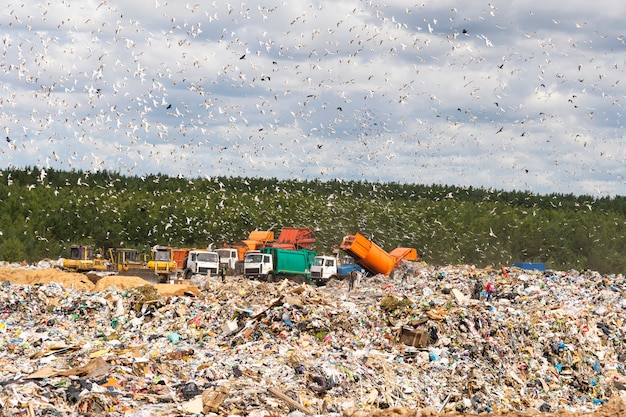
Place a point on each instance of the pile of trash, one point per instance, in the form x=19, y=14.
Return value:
x=432, y=340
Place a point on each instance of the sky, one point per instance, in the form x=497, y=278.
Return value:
x=506, y=95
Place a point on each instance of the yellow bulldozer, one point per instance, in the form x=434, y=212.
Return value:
x=163, y=264
x=84, y=259
x=160, y=268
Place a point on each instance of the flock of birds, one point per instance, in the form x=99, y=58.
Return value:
x=476, y=95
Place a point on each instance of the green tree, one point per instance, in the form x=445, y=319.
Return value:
x=12, y=250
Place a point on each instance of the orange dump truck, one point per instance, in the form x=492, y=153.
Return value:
x=179, y=255
x=405, y=254
x=368, y=254
x=294, y=238
x=256, y=240
x=372, y=257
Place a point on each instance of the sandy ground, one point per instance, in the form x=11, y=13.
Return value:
x=73, y=280
x=614, y=408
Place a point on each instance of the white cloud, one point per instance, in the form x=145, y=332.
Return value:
x=495, y=94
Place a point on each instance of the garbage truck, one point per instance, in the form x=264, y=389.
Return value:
x=229, y=259
x=199, y=261
x=271, y=264
x=256, y=240
x=289, y=238
x=325, y=268
x=372, y=257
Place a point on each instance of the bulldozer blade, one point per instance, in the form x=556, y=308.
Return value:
x=143, y=273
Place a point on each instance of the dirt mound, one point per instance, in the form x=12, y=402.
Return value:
x=127, y=282
x=120, y=282
x=81, y=282
x=45, y=276
x=168, y=290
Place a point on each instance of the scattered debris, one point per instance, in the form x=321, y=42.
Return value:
x=545, y=341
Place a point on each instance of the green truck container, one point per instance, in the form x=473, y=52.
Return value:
x=274, y=263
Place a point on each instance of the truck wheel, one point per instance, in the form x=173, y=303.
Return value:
x=270, y=277
x=187, y=274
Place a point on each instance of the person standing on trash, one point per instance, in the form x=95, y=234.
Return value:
x=478, y=287
x=490, y=288
x=505, y=271
x=352, y=276
x=223, y=274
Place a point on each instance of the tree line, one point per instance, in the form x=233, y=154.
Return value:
x=44, y=212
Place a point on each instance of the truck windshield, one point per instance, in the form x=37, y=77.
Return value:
x=318, y=261
x=207, y=257
x=254, y=258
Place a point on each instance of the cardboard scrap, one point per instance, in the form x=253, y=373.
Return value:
x=410, y=337
x=94, y=368
x=461, y=298
x=213, y=398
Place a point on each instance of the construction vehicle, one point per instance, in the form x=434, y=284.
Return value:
x=289, y=238
x=325, y=268
x=179, y=255
x=83, y=259
x=202, y=262
x=229, y=259
x=271, y=264
x=372, y=257
x=256, y=240
x=163, y=264
x=530, y=266
x=131, y=262
x=126, y=261
x=405, y=254
x=294, y=238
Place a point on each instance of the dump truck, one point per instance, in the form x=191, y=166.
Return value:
x=271, y=264
x=294, y=238
x=372, y=257
x=256, y=240
x=325, y=268
x=229, y=259
x=83, y=259
x=289, y=238
x=179, y=255
x=204, y=262
x=368, y=254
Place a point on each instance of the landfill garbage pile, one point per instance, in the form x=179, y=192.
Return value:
x=427, y=340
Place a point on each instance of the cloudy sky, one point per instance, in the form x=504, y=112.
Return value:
x=514, y=95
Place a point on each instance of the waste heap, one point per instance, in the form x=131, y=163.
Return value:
x=426, y=339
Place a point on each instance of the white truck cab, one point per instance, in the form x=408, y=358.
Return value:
x=325, y=268
x=203, y=262
x=257, y=264
x=229, y=258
